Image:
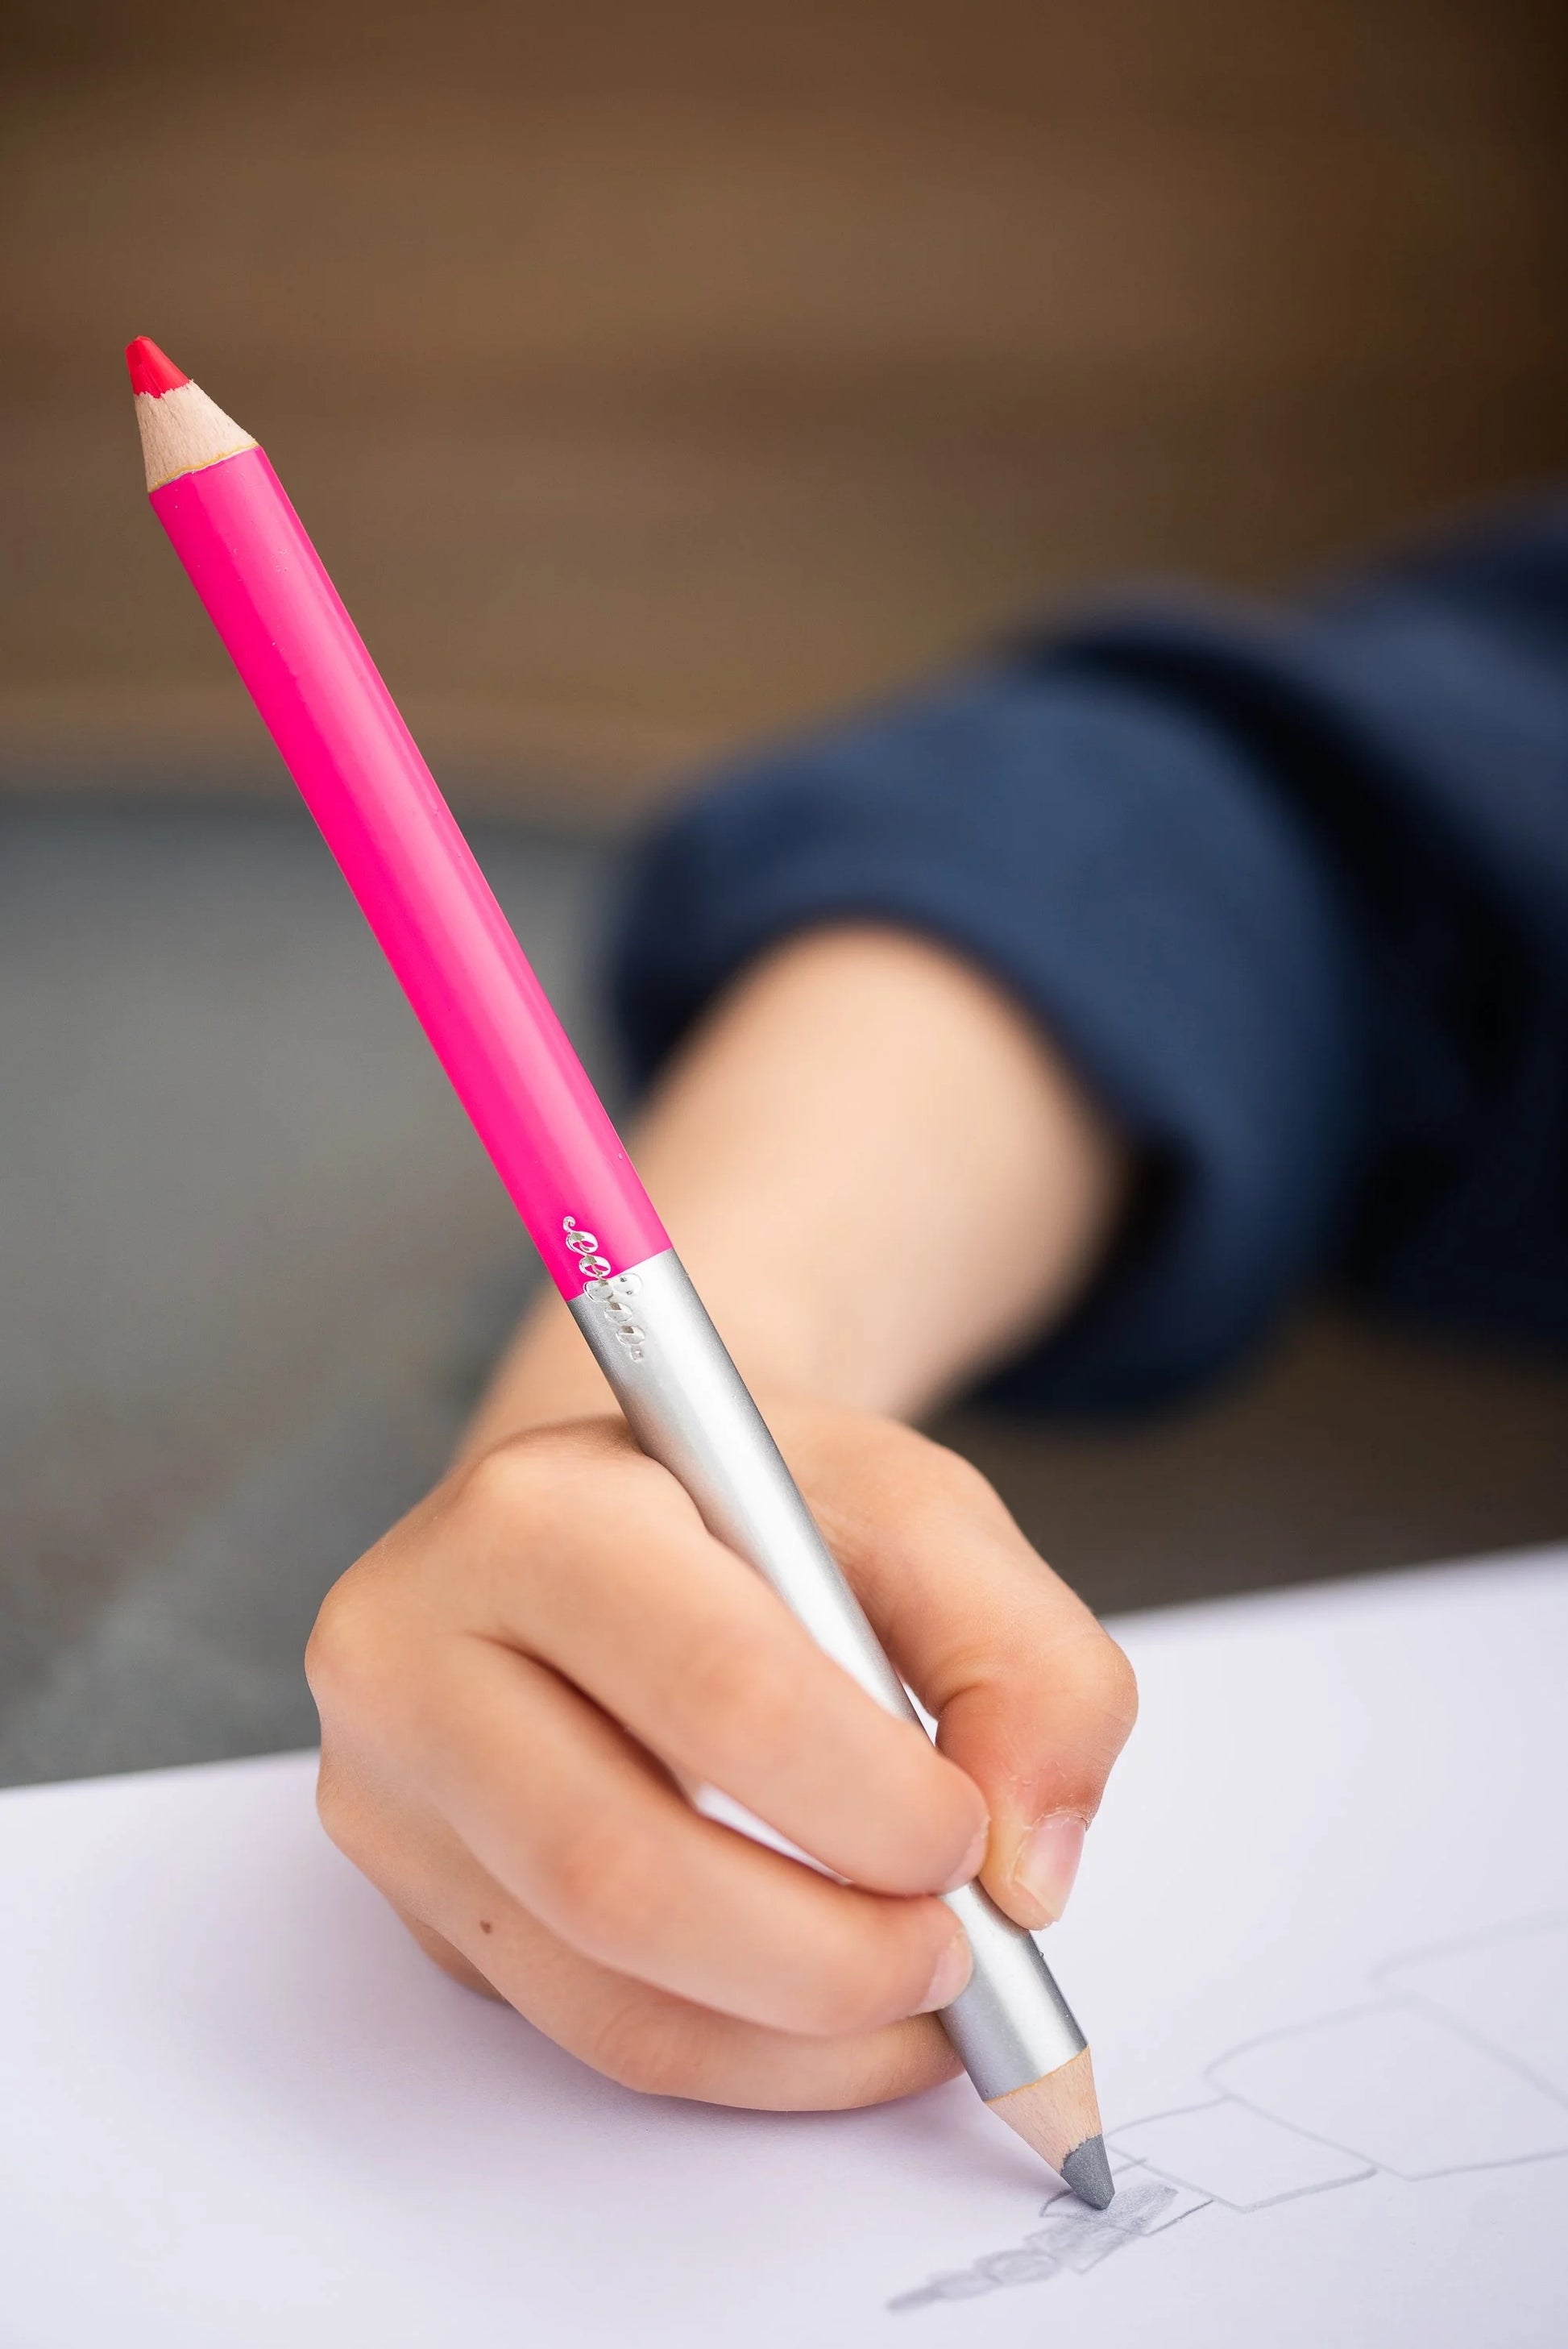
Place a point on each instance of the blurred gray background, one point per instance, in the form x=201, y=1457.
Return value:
x=252, y=1265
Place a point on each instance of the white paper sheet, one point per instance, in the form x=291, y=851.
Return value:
x=1320, y=1944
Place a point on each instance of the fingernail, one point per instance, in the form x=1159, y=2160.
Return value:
x=972, y=1861
x=1048, y=1863
x=953, y=1969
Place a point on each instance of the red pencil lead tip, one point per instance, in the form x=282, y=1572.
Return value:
x=150, y=370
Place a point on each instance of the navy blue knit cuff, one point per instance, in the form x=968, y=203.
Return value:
x=1112, y=861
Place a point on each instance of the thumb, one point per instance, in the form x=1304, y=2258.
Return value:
x=1032, y=1698
x=1040, y=1714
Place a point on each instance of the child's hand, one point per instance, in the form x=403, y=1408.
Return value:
x=515, y=1686
x=518, y=1682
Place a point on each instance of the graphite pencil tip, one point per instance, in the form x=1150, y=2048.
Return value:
x=1087, y=2172
x=151, y=370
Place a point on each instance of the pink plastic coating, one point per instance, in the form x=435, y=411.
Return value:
x=413, y=875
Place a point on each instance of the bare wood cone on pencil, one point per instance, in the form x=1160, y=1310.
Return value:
x=1059, y=2117
x=416, y=882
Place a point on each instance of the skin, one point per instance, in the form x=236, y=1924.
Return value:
x=882, y=1178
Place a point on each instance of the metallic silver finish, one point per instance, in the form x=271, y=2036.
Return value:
x=688, y=1408
x=1011, y=2025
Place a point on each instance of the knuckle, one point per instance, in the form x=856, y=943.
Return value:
x=331, y=1805
x=916, y=1473
x=601, y=1888
x=511, y=1486
x=1110, y=1686
x=894, y=1446
x=958, y=1478
x=341, y=1813
x=523, y=1502
x=864, y=1987
x=835, y=2007
x=344, y=1655
x=748, y=1697
x=516, y=1518
x=1121, y=1687
x=644, y=2045
x=1090, y=1700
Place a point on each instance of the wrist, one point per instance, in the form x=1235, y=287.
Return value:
x=879, y=1173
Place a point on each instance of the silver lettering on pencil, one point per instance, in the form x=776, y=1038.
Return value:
x=609, y=1290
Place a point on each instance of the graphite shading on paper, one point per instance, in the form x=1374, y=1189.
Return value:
x=1386, y=2087
x=238, y=2106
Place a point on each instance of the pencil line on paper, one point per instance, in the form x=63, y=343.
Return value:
x=1309, y=2137
x=1222, y=2151
x=1484, y=1937
x=1436, y=2012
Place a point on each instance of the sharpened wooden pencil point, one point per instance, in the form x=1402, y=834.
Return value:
x=182, y=431
x=1058, y=2116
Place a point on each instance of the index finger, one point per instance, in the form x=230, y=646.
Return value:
x=611, y=1579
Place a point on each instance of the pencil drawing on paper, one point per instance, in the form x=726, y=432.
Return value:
x=1458, y=2063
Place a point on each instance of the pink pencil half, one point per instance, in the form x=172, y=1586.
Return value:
x=398, y=847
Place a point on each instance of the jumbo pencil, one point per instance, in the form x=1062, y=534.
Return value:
x=514, y=1071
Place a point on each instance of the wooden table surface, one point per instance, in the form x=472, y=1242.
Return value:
x=657, y=377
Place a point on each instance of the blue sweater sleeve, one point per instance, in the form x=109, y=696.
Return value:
x=1292, y=890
